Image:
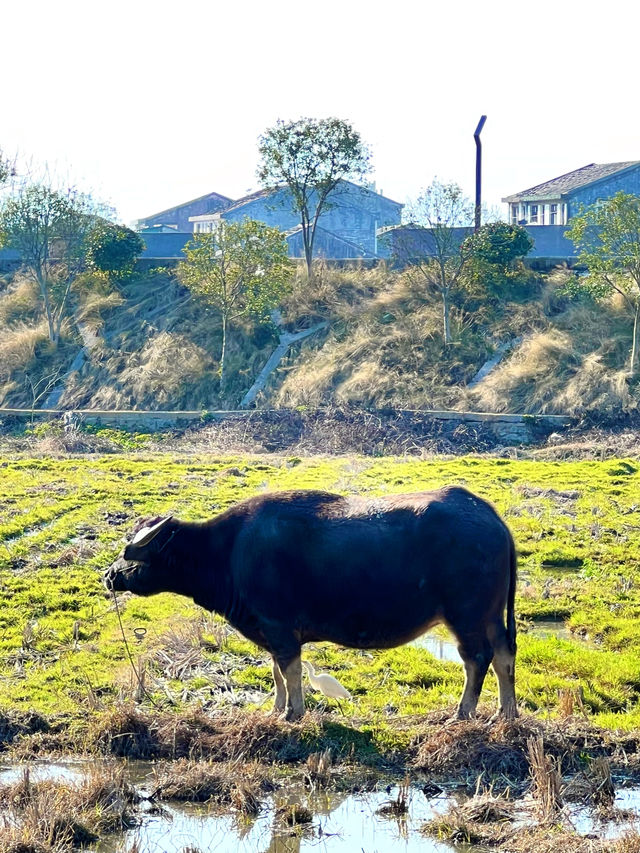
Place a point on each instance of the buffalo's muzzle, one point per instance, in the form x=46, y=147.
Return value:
x=114, y=577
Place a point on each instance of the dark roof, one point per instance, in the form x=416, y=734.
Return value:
x=222, y=198
x=265, y=193
x=558, y=187
x=247, y=199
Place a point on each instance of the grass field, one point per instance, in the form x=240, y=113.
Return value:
x=62, y=521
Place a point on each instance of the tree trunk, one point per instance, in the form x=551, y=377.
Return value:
x=47, y=307
x=308, y=256
x=223, y=355
x=636, y=343
x=308, y=248
x=445, y=316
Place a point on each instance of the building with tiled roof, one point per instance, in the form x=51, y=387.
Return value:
x=349, y=223
x=177, y=218
x=554, y=202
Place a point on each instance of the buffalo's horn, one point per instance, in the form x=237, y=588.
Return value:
x=146, y=534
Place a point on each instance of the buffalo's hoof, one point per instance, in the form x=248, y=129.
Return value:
x=292, y=716
x=509, y=712
x=463, y=714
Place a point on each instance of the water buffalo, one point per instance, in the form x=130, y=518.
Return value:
x=293, y=567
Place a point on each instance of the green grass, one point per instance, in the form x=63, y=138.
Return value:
x=62, y=521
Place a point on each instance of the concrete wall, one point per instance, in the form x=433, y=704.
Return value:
x=164, y=245
x=549, y=242
x=516, y=429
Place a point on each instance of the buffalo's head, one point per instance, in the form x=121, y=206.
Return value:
x=142, y=566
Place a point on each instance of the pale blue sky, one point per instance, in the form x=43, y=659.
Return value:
x=152, y=103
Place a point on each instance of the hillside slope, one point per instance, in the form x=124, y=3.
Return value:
x=148, y=344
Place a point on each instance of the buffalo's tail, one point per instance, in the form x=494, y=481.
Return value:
x=511, y=615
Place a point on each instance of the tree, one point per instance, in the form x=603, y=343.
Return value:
x=6, y=169
x=49, y=228
x=113, y=249
x=498, y=244
x=241, y=268
x=607, y=238
x=434, y=251
x=311, y=156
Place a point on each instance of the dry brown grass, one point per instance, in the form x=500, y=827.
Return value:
x=463, y=750
x=95, y=305
x=593, y=786
x=235, y=784
x=20, y=302
x=18, y=347
x=155, y=376
x=230, y=735
x=318, y=769
x=578, y=363
x=51, y=817
x=546, y=779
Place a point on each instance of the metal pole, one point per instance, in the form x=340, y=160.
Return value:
x=476, y=136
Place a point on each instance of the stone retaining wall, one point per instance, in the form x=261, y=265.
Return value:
x=510, y=429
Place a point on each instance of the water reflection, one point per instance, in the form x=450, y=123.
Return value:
x=41, y=771
x=439, y=647
x=446, y=649
x=341, y=822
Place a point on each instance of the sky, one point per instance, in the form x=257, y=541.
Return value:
x=149, y=104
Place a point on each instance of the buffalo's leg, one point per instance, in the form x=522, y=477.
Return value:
x=292, y=672
x=281, y=689
x=504, y=660
x=476, y=654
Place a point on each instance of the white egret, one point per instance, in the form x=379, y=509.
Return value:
x=326, y=684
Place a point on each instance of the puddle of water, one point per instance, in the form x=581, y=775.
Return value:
x=341, y=822
x=440, y=648
x=44, y=771
x=586, y=821
x=552, y=628
x=447, y=649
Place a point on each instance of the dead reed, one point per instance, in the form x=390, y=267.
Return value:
x=317, y=772
x=463, y=750
x=52, y=816
x=400, y=806
x=546, y=779
x=294, y=814
x=234, y=784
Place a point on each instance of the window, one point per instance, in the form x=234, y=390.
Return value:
x=553, y=214
x=514, y=214
x=533, y=214
x=542, y=207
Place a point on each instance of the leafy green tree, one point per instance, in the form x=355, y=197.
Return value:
x=607, y=238
x=113, y=249
x=499, y=244
x=311, y=156
x=434, y=250
x=49, y=228
x=240, y=268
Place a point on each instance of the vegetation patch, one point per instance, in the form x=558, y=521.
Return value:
x=48, y=817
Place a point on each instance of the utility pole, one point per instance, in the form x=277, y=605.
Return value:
x=476, y=136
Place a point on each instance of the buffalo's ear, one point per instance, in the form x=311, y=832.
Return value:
x=146, y=523
x=146, y=534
